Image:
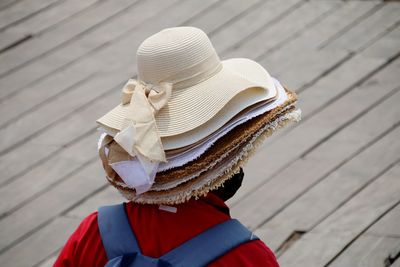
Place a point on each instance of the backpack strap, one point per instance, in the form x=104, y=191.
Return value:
x=116, y=233
x=210, y=245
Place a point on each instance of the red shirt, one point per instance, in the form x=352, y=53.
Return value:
x=158, y=231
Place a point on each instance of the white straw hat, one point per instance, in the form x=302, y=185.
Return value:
x=202, y=84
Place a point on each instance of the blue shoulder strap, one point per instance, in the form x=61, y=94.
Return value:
x=116, y=232
x=210, y=245
x=118, y=239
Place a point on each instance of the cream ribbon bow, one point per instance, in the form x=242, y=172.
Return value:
x=139, y=135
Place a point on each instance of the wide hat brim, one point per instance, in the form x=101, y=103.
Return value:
x=173, y=187
x=241, y=81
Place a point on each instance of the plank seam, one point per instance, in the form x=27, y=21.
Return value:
x=70, y=88
x=298, y=33
x=51, y=219
x=84, y=56
x=356, y=84
x=362, y=232
x=48, y=221
x=350, y=55
x=204, y=11
x=16, y=43
x=6, y=6
x=382, y=235
x=266, y=25
x=51, y=155
x=64, y=117
x=332, y=170
x=355, y=193
x=66, y=42
x=349, y=122
x=380, y=35
x=350, y=26
x=49, y=187
x=236, y=17
x=43, y=31
x=57, y=2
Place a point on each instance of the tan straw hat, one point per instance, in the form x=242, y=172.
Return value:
x=214, y=167
x=189, y=120
x=202, y=84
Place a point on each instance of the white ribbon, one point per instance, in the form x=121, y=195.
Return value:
x=139, y=135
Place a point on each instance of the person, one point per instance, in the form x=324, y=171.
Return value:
x=174, y=148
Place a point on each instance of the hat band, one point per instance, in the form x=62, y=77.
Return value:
x=197, y=73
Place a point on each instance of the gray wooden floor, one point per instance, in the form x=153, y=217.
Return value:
x=324, y=192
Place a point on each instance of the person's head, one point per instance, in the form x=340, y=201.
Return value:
x=230, y=186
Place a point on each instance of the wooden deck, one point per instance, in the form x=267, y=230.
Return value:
x=323, y=192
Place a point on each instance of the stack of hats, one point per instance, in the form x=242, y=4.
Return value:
x=190, y=120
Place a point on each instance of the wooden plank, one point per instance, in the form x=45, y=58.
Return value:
x=316, y=98
x=48, y=262
x=28, y=219
x=299, y=77
x=367, y=30
x=367, y=251
x=7, y=3
x=308, y=42
x=10, y=39
x=305, y=16
x=21, y=10
x=41, y=244
x=326, y=240
x=263, y=16
x=388, y=225
x=71, y=30
x=18, y=106
x=61, y=107
x=353, y=71
x=39, y=22
x=357, y=44
x=374, y=246
x=297, y=142
x=223, y=13
x=47, y=174
x=313, y=199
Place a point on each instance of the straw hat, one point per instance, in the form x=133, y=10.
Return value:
x=183, y=95
x=202, y=84
x=214, y=167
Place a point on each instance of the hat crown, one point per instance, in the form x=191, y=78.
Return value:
x=176, y=54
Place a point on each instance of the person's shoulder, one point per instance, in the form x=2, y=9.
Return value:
x=84, y=246
x=88, y=224
x=253, y=253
